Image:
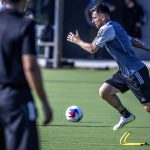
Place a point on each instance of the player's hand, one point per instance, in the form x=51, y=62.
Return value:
x=74, y=38
x=48, y=113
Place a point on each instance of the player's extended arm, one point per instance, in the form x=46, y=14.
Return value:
x=140, y=44
x=34, y=78
x=89, y=47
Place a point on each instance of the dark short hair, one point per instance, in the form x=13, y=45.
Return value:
x=101, y=8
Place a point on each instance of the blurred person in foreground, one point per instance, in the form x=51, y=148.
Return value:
x=132, y=74
x=2, y=5
x=19, y=73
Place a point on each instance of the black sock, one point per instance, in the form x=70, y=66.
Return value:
x=125, y=113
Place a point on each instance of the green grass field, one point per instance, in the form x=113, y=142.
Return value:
x=66, y=87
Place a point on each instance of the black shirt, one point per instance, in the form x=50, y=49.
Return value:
x=17, y=37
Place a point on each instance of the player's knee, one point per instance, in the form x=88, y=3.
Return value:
x=147, y=108
x=102, y=93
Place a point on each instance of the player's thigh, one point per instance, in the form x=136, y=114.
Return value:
x=107, y=89
x=113, y=85
x=139, y=84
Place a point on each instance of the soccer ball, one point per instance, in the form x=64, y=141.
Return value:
x=74, y=114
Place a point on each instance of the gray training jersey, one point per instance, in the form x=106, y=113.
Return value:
x=117, y=42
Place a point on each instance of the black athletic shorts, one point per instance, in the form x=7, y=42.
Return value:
x=17, y=120
x=139, y=84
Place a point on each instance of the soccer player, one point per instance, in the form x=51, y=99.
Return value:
x=19, y=73
x=132, y=74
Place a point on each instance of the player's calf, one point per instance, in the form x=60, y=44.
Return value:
x=106, y=91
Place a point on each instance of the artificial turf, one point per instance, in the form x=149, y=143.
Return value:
x=66, y=87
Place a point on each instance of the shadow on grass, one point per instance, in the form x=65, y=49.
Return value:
x=76, y=124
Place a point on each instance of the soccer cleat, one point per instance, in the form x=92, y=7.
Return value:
x=123, y=121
